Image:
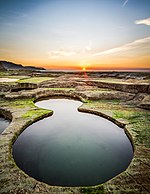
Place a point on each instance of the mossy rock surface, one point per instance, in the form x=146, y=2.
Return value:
x=134, y=180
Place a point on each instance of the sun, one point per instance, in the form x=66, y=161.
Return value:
x=84, y=69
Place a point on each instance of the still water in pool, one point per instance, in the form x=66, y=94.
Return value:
x=71, y=148
x=3, y=124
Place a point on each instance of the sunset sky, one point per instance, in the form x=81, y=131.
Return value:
x=76, y=34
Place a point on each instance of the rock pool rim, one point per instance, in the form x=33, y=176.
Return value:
x=80, y=109
x=6, y=114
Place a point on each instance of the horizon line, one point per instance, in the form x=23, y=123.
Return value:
x=101, y=70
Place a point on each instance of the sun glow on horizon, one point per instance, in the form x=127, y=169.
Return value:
x=92, y=35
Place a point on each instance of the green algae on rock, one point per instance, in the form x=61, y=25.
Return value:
x=134, y=180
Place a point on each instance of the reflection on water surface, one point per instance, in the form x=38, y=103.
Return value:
x=3, y=124
x=71, y=148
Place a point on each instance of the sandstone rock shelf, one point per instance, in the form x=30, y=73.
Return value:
x=129, y=108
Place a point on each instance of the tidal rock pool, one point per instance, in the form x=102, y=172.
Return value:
x=3, y=124
x=71, y=148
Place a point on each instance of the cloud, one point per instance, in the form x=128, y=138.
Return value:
x=56, y=54
x=60, y=53
x=89, y=46
x=125, y=2
x=144, y=21
x=141, y=43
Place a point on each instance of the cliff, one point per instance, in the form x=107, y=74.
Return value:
x=5, y=65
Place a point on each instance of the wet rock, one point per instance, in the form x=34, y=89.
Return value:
x=61, y=84
x=148, y=91
x=4, y=87
x=145, y=103
x=86, y=88
x=107, y=95
x=125, y=87
x=23, y=86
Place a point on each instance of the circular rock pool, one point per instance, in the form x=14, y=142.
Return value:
x=71, y=148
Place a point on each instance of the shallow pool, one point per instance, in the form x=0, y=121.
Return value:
x=71, y=148
x=3, y=124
